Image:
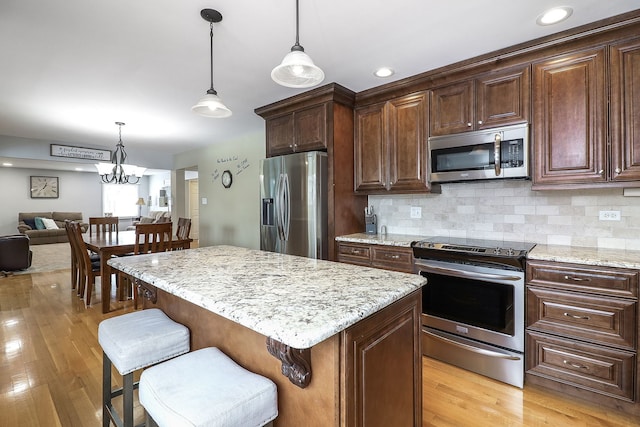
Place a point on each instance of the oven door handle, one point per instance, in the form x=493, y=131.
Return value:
x=472, y=348
x=428, y=268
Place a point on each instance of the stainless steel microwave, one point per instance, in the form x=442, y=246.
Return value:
x=496, y=153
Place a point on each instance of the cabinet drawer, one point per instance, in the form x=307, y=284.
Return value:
x=609, y=321
x=602, y=280
x=400, y=259
x=590, y=367
x=354, y=254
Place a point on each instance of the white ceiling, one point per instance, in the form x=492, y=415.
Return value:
x=71, y=68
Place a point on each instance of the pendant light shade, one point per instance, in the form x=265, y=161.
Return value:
x=211, y=104
x=297, y=69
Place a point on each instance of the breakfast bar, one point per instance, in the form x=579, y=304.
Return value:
x=341, y=342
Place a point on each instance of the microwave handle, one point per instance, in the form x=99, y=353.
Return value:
x=496, y=153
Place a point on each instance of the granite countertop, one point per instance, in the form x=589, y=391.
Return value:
x=295, y=300
x=403, y=240
x=588, y=256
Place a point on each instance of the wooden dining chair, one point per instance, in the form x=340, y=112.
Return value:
x=89, y=269
x=75, y=268
x=150, y=238
x=103, y=224
x=184, y=228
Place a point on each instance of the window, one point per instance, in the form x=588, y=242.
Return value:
x=120, y=200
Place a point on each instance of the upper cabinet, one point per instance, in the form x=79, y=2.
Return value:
x=303, y=130
x=490, y=100
x=586, y=118
x=391, y=146
x=625, y=110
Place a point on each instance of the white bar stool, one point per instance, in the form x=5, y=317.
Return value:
x=206, y=388
x=130, y=342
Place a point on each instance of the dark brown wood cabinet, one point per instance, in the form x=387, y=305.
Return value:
x=625, y=110
x=297, y=131
x=321, y=119
x=383, y=364
x=582, y=331
x=391, y=146
x=587, y=118
x=490, y=100
x=397, y=258
x=569, y=118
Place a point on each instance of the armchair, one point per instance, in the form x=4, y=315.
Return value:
x=15, y=253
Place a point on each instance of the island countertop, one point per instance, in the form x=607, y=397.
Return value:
x=295, y=300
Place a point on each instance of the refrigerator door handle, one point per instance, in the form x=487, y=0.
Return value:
x=279, y=207
x=286, y=207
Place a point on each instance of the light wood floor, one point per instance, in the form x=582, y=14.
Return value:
x=51, y=367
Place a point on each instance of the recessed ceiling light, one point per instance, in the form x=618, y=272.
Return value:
x=555, y=15
x=7, y=164
x=384, y=72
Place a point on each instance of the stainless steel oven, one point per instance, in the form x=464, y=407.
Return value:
x=473, y=304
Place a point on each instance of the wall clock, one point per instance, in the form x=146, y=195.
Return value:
x=227, y=179
x=44, y=187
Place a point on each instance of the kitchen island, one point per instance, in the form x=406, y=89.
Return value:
x=341, y=342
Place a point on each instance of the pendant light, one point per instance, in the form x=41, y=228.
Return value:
x=297, y=69
x=118, y=171
x=211, y=105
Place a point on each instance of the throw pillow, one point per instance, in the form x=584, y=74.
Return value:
x=31, y=222
x=50, y=224
x=39, y=223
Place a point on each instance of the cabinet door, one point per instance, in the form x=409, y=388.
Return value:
x=310, y=129
x=279, y=135
x=382, y=362
x=625, y=111
x=370, y=148
x=451, y=109
x=503, y=99
x=569, y=119
x=407, y=118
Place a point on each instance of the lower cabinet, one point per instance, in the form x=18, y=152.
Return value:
x=582, y=332
x=396, y=258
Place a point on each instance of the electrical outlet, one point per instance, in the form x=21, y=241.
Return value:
x=416, y=212
x=609, y=215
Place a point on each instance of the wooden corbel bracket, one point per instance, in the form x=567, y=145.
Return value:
x=296, y=364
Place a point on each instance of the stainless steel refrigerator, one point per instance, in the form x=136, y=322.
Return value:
x=293, y=197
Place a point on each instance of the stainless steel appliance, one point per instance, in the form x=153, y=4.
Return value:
x=473, y=304
x=486, y=154
x=293, y=194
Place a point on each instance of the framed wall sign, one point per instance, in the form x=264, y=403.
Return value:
x=44, y=187
x=80, y=152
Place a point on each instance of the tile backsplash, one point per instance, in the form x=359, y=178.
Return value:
x=509, y=210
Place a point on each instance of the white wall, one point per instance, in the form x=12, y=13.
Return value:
x=231, y=215
x=79, y=192
x=509, y=210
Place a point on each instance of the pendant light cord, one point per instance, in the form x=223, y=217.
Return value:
x=211, y=51
x=297, y=25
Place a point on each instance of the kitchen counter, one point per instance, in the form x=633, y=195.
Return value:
x=295, y=300
x=402, y=240
x=590, y=256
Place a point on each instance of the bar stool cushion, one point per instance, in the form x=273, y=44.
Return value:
x=207, y=388
x=142, y=338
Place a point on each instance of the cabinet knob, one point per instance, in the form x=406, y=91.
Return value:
x=618, y=170
x=479, y=122
x=601, y=171
x=469, y=124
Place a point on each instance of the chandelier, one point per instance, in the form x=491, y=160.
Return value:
x=118, y=171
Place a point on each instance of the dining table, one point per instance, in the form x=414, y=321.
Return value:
x=108, y=245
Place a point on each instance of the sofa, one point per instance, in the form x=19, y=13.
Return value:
x=14, y=253
x=27, y=225
x=153, y=217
